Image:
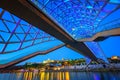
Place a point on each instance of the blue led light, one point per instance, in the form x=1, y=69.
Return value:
x=66, y=0
x=89, y=7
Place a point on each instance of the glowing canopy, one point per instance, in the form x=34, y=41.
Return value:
x=81, y=18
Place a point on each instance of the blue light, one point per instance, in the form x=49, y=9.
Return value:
x=73, y=29
x=66, y=0
x=115, y=1
x=89, y=7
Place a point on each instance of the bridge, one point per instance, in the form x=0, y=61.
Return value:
x=43, y=28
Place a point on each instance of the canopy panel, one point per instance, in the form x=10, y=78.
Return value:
x=16, y=34
x=80, y=18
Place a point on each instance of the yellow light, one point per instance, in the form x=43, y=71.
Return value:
x=58, y=68
x=114, y=57
x=47, y=76
x=42, y=76
x=25, y=75
x=67, y=75
x=30, y=75
x=60, y=76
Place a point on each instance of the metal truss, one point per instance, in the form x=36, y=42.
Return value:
x=79, y=18
x=16, y=34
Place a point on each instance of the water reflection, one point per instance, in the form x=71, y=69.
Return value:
x=60, y=76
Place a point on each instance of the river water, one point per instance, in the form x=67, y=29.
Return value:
x=60, y=76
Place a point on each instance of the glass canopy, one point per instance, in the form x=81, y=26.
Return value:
x=19, y=38
x=16, y=34
x=81, y=18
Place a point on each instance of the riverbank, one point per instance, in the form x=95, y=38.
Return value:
x=75, y=68
x=62, y=70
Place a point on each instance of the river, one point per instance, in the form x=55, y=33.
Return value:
x=60, y=76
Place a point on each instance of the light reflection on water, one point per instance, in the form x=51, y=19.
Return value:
x=60, y=76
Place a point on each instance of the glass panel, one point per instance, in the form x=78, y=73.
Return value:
x=33, y=35
x=1, y=47
x=24, y=22
x=38, y=41
x=25, y=44
x=25, y=28
x=15, y=18
x=7, y=16
x=19, y=30
x=10, y=25
x=14, y=39
x=5, y=36
x=21, y=36
x=12, y=47
x=3, y=27
x=6, y=58
x=28, y=37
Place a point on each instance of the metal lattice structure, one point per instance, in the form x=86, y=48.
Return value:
x=16, y=34
x=20, y=40
x=80, y=18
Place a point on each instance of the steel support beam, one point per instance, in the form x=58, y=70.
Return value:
x=103, y=35
x=30, y=56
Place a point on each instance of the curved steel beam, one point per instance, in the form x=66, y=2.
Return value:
x=104, y=34
x=30, y=56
